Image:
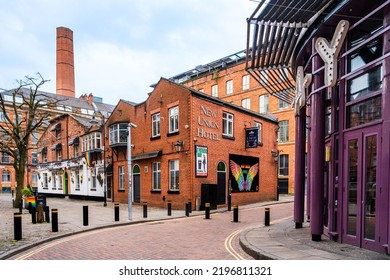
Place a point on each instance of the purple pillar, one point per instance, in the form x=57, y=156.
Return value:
x=317, y=153
x=299, y=180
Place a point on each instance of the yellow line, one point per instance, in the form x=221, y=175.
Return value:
x=229, y=246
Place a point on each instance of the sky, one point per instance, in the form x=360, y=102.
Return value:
x=121, y=47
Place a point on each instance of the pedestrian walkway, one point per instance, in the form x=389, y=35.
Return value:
x=280, y=240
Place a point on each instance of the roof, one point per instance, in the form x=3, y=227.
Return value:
x=274, y=30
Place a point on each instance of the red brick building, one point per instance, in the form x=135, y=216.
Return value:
x=191, y=146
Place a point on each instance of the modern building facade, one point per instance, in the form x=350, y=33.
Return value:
x=338, y=53
x=189, y=146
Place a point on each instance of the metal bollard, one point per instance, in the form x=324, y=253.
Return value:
x=85, y=215
x=169, y=208
x=235, y=213
x=54, y=220
x=190, y=205
x=207, y=210
x=17, y=226
x=46, y=209
x=33, y=212
x=145, y=208
x=187, y=209
x=116, y=212
x=266, y=216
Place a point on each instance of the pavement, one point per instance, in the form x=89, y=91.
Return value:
x=279, y=241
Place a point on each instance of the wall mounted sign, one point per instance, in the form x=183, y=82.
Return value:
x=251, y=137
x=201, y=161
x=244, y=173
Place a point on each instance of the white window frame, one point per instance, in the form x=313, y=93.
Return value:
x=245, y=82
x=156, y=177
x=6, y=176
x=227, y=124
x=264, y=103
x=214, y=90
x=174, y=119
x=246, y=103
x=156, y=125
x=259, y=126
x=283, y=131
x=118, y=133
x=283, y=165
x=229, y=87
x=174, y=172
x=121, y=174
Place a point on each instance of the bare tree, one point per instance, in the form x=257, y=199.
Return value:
x=23, y=112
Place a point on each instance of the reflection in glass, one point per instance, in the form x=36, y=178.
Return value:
x=352, y=186
x=370, y=188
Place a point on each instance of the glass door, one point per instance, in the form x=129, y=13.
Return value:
x=361, y=225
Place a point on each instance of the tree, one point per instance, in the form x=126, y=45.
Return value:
x=22, y=112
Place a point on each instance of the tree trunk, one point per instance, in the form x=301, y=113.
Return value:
x=20, y=170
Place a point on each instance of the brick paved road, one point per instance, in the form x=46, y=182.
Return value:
x=193, y=238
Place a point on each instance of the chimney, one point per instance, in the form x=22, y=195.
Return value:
x=65, y=62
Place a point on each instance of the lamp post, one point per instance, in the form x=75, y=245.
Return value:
x=129, y=172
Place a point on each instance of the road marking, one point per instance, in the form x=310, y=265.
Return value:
x=229, y=245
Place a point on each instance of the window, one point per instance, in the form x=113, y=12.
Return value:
x=60, y=177
x=45, y=181
x=246, y=103
x=58, y=134
x=18, y=118
x=34, y=177
x=201, y=90
x=227, y=124
x=77, y=180
x=10, y=98
x=92, y=141
x=34, y=158
x=54, y=181
x=258, y=125
x=34, y=137
x=229, y=87
x=283, y=132
x=264, y=107
x=214, y=90
x=282, y=104
x=118, y=133
x=245, y=82
x=5, y=158
x=283, y=165
x=174, y=119
x=264, y=78
x=93, y=178
x=156, y=180
x=58, y=154
x=156, y=125
x=121, y=173
x=3, y=117
x=44, y=155
x=174, y=175
x=6, y=176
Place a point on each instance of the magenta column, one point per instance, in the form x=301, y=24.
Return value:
x=299, y=179
x=317, y=152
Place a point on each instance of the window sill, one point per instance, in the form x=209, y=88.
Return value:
x=121, y=190
x=155, y=138
x=173, y=133
x=228, y=137
x=155, y=191
x=173, y=192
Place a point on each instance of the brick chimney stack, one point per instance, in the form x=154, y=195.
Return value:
x=65, y=62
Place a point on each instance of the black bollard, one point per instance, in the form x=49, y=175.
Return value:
x=190, y=205
x=54, y=220
x=145, y=208
x=46, y=209
x=33, y=215
x=266, y=217
x=85, y=215
x=17, y=226
x=235, y=213
x=169, y=208
x=116, y=212
x=207, y=210
x=187, y=209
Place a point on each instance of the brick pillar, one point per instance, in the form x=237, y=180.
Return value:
x=65, y=62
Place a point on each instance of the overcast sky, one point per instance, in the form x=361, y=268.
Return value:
x=121, y=46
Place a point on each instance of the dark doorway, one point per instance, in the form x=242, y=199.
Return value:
x=137, y=183
x=221, y=183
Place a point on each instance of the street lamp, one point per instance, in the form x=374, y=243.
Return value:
x=129, y=172
x=95, y=122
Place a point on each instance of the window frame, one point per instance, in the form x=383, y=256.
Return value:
x=173, y=113
x=156, y=176
x=174, y=175
x=229, y=87
x=121, y=178
x=156, y=125
x=227, y=125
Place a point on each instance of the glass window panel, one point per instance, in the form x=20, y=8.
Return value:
x=352, y=186
x=370, y=187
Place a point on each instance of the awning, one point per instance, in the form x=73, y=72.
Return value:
x=56, y=146
x=74, y=141
x=146, y=155
x=274, y=30
x=55, y=127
